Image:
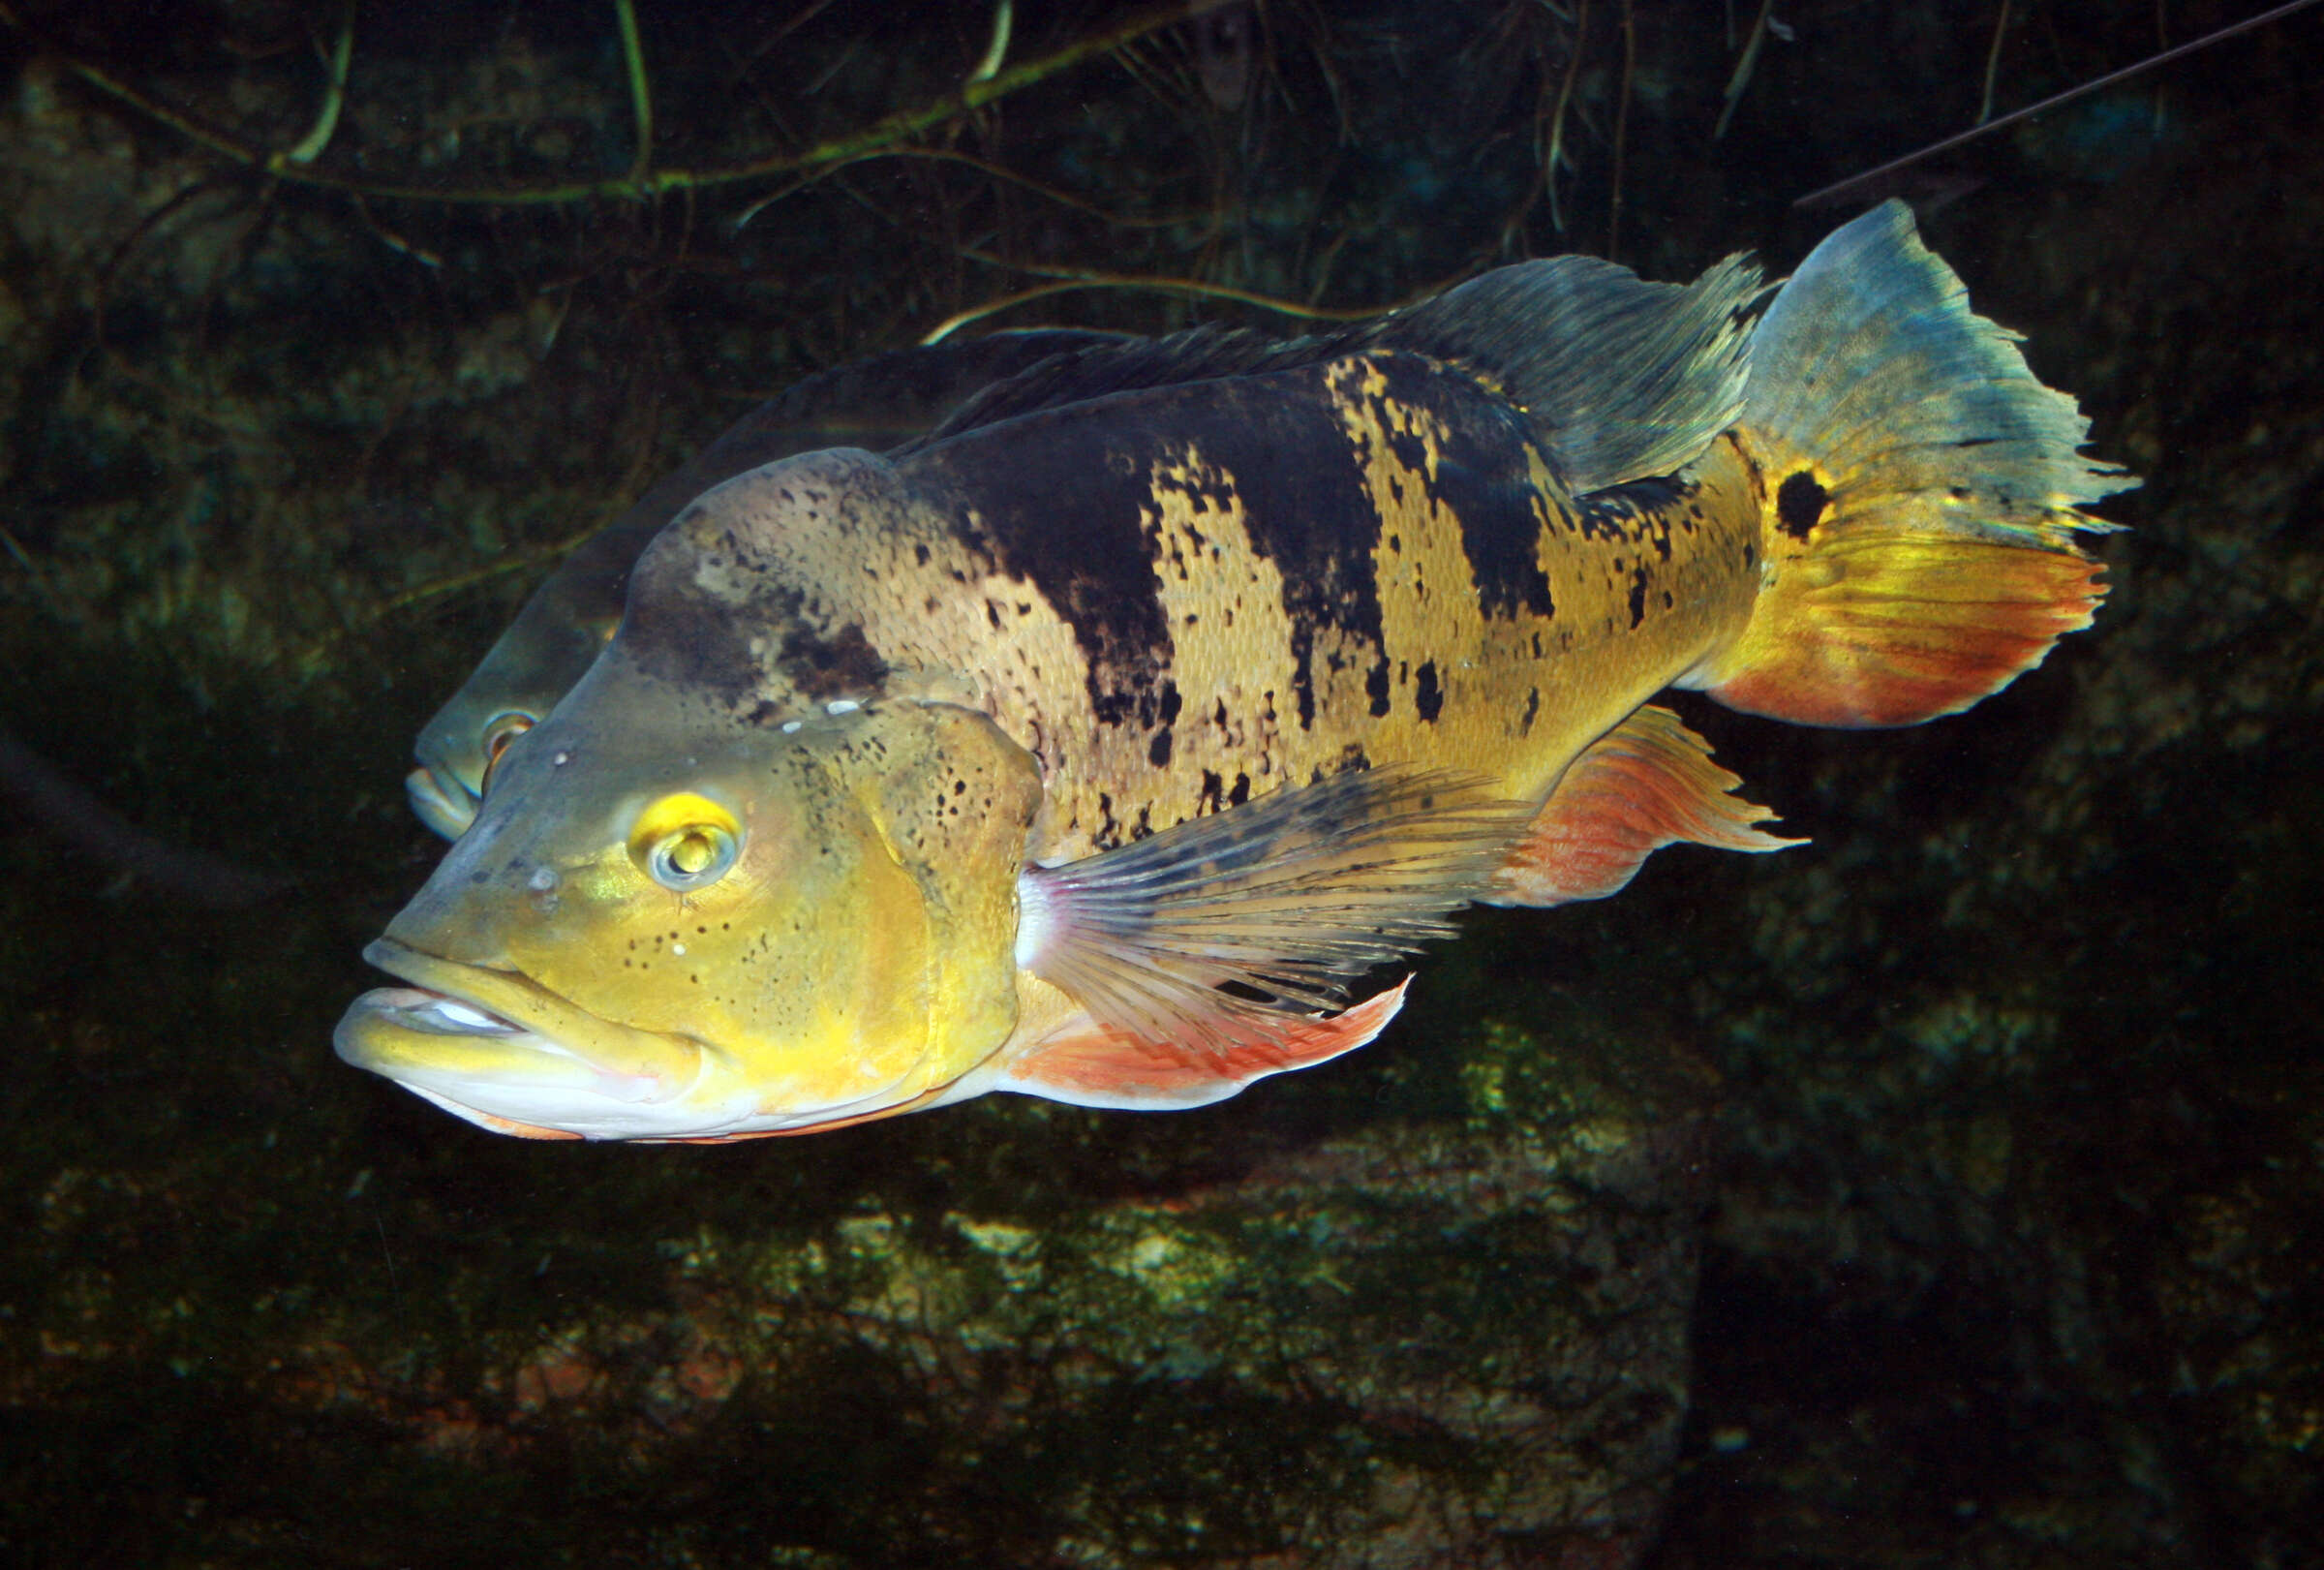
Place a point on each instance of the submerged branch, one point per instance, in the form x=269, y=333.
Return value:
x=1069, y=279
x=642, y=182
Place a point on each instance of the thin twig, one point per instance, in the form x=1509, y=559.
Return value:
x=1557, y=119
x=334, y=96
x=1068, y=280
x=1993, y=63
x=313, y=659
x=1839, y=189
x=814, y=9
x=1629, y=66
x=32, y=570
x=1743, y=68
x=393, y=240
x=1004, y=18
x=985, y=167
x=882, y=133
x=641, y=91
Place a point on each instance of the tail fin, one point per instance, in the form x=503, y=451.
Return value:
x=1922, y=487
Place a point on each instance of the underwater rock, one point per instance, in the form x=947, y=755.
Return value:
x=1457, y=1343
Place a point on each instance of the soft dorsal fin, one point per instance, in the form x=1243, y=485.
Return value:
x=1246, y=924
x=1645, y=783
x=1619, y=379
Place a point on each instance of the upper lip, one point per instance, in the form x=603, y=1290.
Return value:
x=516, y=1005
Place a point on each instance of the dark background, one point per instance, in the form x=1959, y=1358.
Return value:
x=2009, y=1255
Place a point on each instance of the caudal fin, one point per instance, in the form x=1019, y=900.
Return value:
x=1922, y=492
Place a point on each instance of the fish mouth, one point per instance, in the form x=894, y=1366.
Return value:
x=442, y=801
x=506, y=1054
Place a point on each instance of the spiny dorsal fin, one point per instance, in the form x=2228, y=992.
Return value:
x=1129, y=365
x=1283, y=901
x=1619, y=379
x=890, y=397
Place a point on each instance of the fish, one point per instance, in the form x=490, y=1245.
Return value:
x=1100, y=743
x=875, y=402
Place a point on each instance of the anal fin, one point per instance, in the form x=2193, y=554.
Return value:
x=1645, y=783
x=1103, y=1065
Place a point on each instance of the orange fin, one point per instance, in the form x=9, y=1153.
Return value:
x=1103, y=1065
x=1892, y=631
x=1919, y=491
x=1645, y=783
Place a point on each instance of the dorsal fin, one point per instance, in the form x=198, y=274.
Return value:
x=1619, y=379
x=893, y=396
x=1097, y=370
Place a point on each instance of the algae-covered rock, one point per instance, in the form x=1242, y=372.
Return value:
x=1451, y=1334
x=1418, y=1347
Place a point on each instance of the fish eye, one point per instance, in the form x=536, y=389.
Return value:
x=685, y=842
x=499, y=731
x=691, y=858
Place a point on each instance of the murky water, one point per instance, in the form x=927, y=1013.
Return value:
x=1943, y=1191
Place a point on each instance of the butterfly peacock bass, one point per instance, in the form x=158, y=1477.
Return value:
x=1093, y=745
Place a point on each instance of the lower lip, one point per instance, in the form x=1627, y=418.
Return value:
x=422, y=1012
x=444, y=805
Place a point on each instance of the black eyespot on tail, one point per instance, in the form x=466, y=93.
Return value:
x=1799, y=503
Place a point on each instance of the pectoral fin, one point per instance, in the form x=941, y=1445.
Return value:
x=1232, y=934
x=1645, y=783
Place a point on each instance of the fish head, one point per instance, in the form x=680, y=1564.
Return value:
x=454, y=752
x=668, y=921
x=544, y=652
